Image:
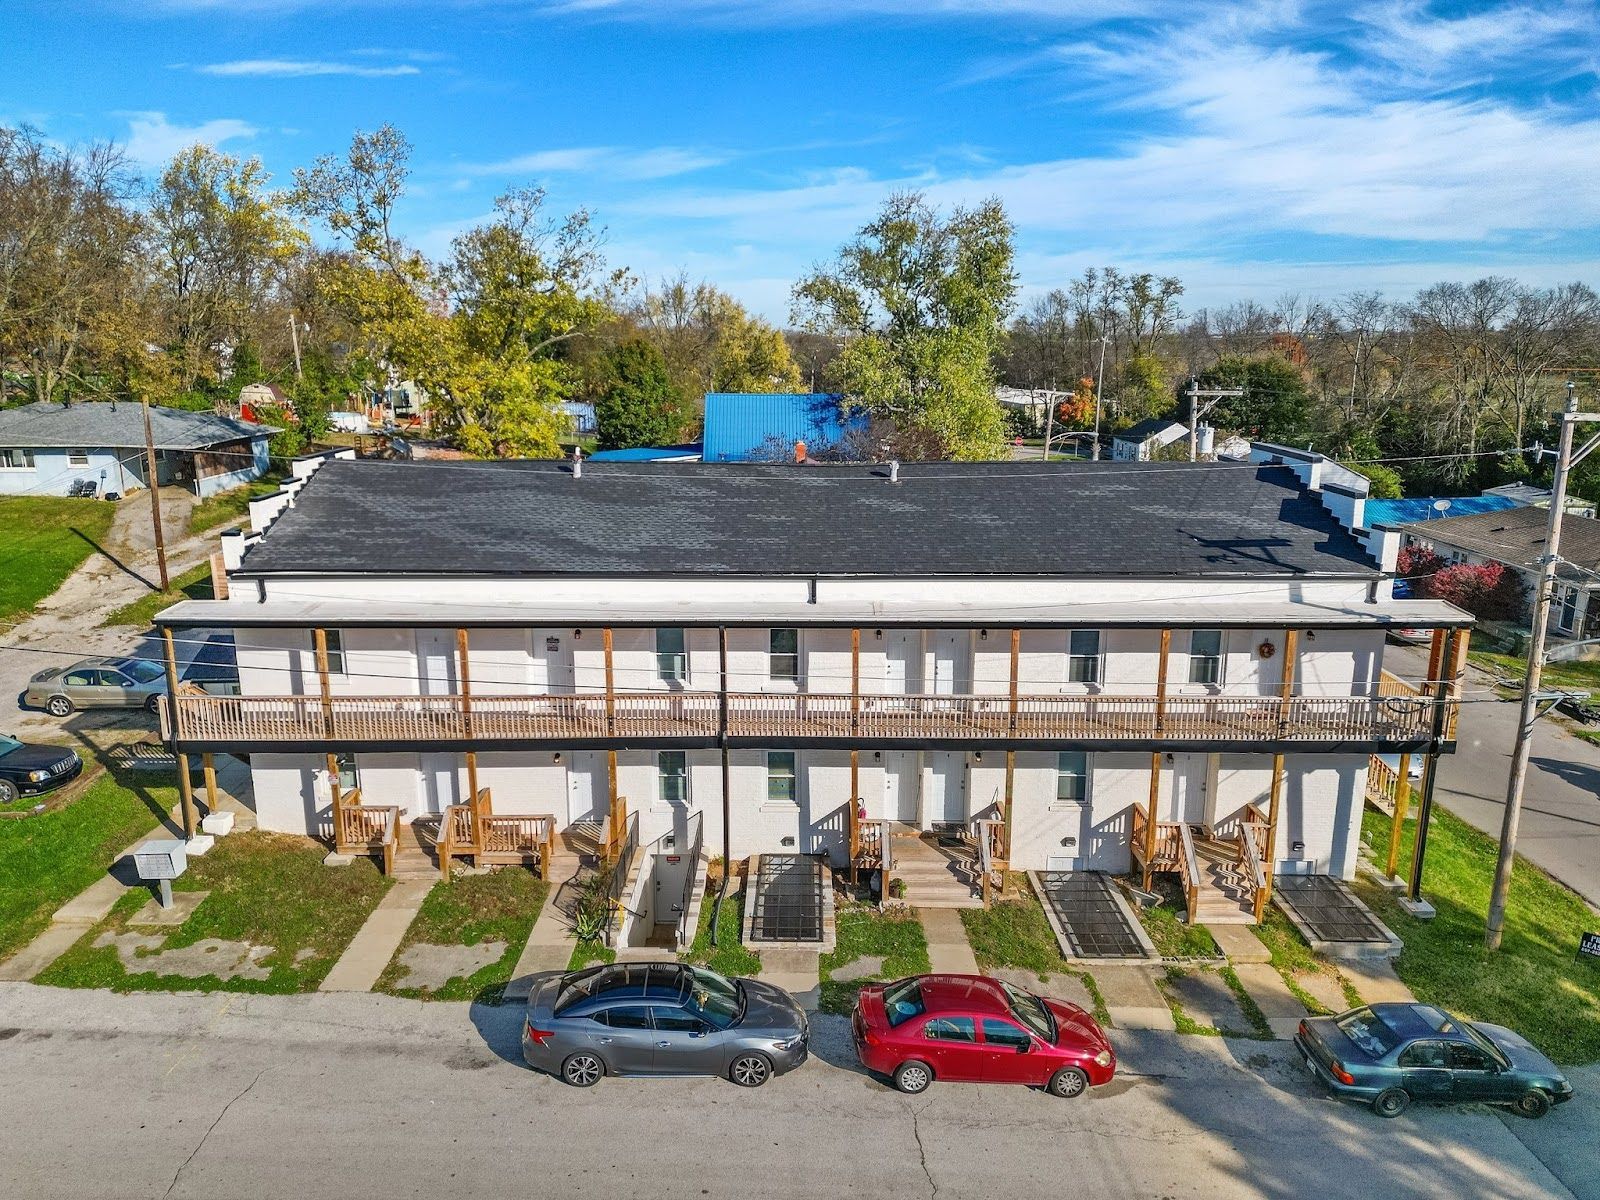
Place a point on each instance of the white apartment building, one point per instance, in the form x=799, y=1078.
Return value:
x=791, y=652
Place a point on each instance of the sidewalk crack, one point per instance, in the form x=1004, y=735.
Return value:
x=184, y=1165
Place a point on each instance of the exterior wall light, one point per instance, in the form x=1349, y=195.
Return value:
x=556, y=757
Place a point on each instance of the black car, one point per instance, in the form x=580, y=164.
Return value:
x=33, y=770
x=1388, y=1055
x=662, y=1018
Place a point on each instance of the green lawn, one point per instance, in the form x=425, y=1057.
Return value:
x=729, y=956
x=45, y=538
x=1295, y=960
x=469, y=910
x=1533, y=983
x=1173, y=937
x=267, y=890
x=191, y=585
x=1559, y=676
x=588, y=954
x=48, y=859
x=894, y=934
x=1015, y=932
x=230, y=507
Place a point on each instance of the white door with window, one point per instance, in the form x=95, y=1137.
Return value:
x=900, y=786
x=945, y=781
x=1564, y=608
x=550, y=663
x=439, y=784
x=588, y=798
x=436, y=662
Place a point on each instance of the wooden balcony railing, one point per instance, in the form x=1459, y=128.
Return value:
x=368, y=829
x=696, y=715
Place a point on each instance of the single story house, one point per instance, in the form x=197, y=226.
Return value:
x=1140, y=443
x=1515, y=537
x=46, y=448
x=764, y=427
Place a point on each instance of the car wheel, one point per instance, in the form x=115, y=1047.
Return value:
x=582, y=1070
x=750, y=1070
x=1533, y=1105
x=1068, y=1083
x=1391, y=1102
x=8, y=791
x=59, y=706
x=913, y=1077
x=152, y=703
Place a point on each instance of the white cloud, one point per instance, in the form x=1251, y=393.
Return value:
x=153, y=140
x=299, y=68
x=660, y=162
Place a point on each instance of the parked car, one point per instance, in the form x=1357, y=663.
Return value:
x=978, y=1030
x=1388, y=1055
x=98, y=683
x=662, y=1019
x=34, y=770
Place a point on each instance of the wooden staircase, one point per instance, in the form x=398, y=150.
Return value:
x=1225, y=897
x=415, y=857
x=935, y=875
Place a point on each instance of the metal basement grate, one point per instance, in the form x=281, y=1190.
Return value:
x=1092, y=920
x=788, y=899
x=1329, y=909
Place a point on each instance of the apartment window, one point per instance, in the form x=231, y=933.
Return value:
x=15, y=458
x=349, y=773
x=1566, y=607
x=1072, y=777
x=77, y=458
x=672, y=661
x=1205, y=656
x=783, y=655
x=781, y=779
x=335, y=643
x=1083, y=656
x=672, y=774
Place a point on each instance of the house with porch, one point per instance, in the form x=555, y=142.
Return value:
x=856, y=662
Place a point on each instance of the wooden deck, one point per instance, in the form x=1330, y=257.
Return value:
x=204, y=719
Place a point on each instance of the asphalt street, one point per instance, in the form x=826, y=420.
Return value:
x=340, y=1096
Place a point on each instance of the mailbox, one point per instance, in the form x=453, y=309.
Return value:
x=161, y=859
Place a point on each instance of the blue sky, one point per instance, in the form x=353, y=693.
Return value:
x=1252, y=149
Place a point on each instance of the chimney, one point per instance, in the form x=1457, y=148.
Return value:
x=577, y=462
x=894, y=470
x=799, y=453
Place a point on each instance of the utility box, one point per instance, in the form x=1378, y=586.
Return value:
x=162, y=861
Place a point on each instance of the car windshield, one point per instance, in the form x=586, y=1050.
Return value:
x=902, y=1001
x=1031, y=1011
x=1480, y=1039
x=718, y=1000
x=8, y=744
x=1367, y=1029
x=141, y=669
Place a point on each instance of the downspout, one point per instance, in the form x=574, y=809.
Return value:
x=727, y=807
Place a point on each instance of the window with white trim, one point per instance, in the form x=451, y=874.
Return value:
x=672, y=659
x=782, y=781
x=15, y=458
x=1205, y=656
x=77, y=458
x=335, y=643
x=783, y=655
x=349, y=773
x=1565, y=607
x=1072, y=778
x=1083, y=656
x=672, y=775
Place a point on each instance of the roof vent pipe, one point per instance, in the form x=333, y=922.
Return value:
x=894, y=470
x=577, y=462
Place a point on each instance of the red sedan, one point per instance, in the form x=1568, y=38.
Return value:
x=974, y=1029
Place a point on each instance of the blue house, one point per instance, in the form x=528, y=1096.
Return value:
x=763, y=427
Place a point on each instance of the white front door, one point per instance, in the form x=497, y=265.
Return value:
x=436, y=662
x=439, y=784
x=900, y=786
x=1183, y=790
x=946, y=780
x=902, y=662
x=550, y=663
x=952, y=651
x=587, y=798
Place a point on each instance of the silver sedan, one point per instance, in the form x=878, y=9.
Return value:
x=98, y=683
x=662, y=1019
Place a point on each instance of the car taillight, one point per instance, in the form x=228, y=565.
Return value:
x=1340, y=1073
x=539, y=1036
x=1304, y=1031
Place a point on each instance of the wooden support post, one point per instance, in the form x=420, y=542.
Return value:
x=319, y=639
x=611, y=696
x=1457, y=671
x=1274, y=807
x=1016, y=660
x=338, y=801
x=1443, y=642
x=210, y=766
x=191, y=820
x=1291, y=640
x=1402, y=801
x=1161, y=699
x=1150, y=817
x=855, y=700
x=611, y=786
x=855, y=805
x=172, y=683
x=475, y=808
x=465, y=672
x=1009, y=815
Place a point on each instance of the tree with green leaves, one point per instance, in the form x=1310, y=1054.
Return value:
x=1275, y=407
x=635, y=402
x=711, y=343
x=921, y=301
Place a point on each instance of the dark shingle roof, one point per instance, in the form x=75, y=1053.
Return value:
x=1516, y=536
x=97, y=423
x=1145, y=430
x=534, y=518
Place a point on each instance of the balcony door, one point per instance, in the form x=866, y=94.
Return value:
x=951, y=654
x=436, y=662
x=902, y=669
x=550, y=671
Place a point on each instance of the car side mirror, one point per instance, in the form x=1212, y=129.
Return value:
x=1025, y=1048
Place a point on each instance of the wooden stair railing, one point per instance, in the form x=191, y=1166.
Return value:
x=1190, y=867
x=455, y=837
x=988, y=835
x=367, y=829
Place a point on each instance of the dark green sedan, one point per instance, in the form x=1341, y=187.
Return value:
x=1388, y=1055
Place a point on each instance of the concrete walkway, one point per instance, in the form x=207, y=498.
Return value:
x=1277, y=1003
x=549, y=948
x=375, y=943
x=1132, y=998
x=949, y=951
x=1375, y=981
x=797, y=971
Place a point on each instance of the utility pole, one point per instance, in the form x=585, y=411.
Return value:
x=294, y=339
x=1099, y=379
x=1542, y=595
x=1196, y=393
x=1049, y=421
x=155, y=491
